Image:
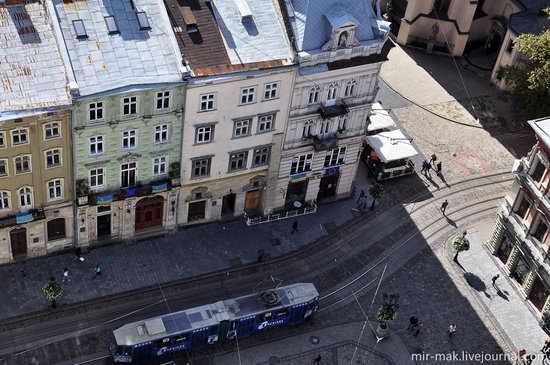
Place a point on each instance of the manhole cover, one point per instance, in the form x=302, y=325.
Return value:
x=314, y=340
x=273, y=360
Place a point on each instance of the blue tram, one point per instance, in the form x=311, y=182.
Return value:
x=141, y=341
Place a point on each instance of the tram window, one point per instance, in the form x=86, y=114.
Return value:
x=264, y=317
x=281, y=313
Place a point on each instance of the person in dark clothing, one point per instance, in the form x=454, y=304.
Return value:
x=361, y=196
x=494, y=279
x=438, y=168
x=444, y=206
x=317, y=360
x=294, y=227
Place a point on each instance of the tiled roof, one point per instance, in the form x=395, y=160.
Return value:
x=530, y=21
x=104, y=62
x=32, y=74
x=311, y=20
x=222, y=43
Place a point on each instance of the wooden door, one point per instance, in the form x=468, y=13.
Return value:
x=104, y=225
x=18, y=239
x=197, y=211
x=149, y=213
x=253, y=199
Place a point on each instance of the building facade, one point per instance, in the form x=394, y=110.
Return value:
x=520, y=240
x=237, y=102
x=335, y=86
x=126, y=79
x=36, y=185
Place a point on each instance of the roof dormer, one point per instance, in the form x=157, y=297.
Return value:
x=343, y=26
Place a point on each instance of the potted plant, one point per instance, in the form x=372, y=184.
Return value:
x=376, y=191
x=52, y=291
x=82, y=191
x=386, y=313
x=174, y=173
x=460, y=243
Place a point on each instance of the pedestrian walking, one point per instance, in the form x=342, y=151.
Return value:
x=452, y=329
x=361, y=196
x=433, y=158
x=317, y=360
x=97, y=270
x=494, y=279
x=66, y=275
x=363, y=203
x=261, y=256
x=413, y=321
x=444, y=206
x=294, y=227
x=438, y=168
x=78, y=254
x=23, y=269
x=424, y=167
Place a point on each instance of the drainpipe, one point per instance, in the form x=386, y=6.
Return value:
x=73, y=173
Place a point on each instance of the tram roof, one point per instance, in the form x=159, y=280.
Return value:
x=208, y=315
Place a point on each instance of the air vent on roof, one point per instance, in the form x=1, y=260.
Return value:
x=189, y=19
x=111, y=25
x=79, y=29
x=244, y=10
x=142, y=20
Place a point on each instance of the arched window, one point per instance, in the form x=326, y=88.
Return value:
x=56, y=229
x=343, y=122
x=343, y=39
x=332, y=91
x=351, y=85
x=25, y=198
x=4, y=200
x=314, y=94
x=307, y=129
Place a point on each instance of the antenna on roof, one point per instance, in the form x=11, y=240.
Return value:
x=267, y=291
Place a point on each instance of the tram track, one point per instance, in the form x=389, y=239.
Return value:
x=304, y=265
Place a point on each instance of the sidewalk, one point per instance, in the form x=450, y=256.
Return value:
x=335, y=345
x=511, y=312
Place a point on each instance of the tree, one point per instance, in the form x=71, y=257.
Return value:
x=531, y=79
x=388, y=310
x=375, y=191
x=460, y=243
x=53, y=291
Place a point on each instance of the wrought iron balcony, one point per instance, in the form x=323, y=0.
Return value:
x=19, y=218
x=331, y=111
x=107, y=197
x=325, y=141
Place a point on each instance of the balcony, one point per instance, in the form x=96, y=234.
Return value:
x=13, y=220
x=325, y=141
x=331, y=111
x=107, y=197
x=363, y=50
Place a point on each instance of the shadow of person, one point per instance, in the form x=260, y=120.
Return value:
x=431, y=180
x=451, y=222
x=476, y=283
x=444, y=181
x=502, y=295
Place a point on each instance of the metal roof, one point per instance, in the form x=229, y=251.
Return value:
x=530, y=21
x=542, y=129
x=32, y=74
x=312, y=20
x=392, y=146
x=135, y=55
x=261, y=37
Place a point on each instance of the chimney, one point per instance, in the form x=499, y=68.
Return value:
x=244, y=10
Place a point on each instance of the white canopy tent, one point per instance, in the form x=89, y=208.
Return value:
x=379, y=118
x=391, y=146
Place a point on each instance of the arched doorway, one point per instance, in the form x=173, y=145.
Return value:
x=228, y=203
x=149, y=212
x=18, y=239
x=56, y=229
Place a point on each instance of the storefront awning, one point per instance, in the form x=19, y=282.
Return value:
x=379, y=119
x=391, y=146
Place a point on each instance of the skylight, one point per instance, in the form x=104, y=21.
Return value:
x=111, y=24
x=142, y=20
x=79, y=29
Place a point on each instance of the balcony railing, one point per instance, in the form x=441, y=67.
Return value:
x=325, y=141
x=106, y=197
x=331, y=111
x=309, y=208
x=13, y=220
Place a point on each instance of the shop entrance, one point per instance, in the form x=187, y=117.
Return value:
x=149, y=212
x=327, y=186
x=18, y=239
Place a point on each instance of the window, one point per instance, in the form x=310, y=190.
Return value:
x=307, y=129
x=163, y=100
x=261, y=156
x=314, y=95
x=142, y=20
x=270, y=91
x=111, y=25
x=343, y=39
x=2, y=139
x=19, y=136
x=510, y=47
x=129, y=139
x=207, y=102
x=541, y=230
x=201, y=167
x=129, y=105
x=161, y=133
x=25, y=198
x=95, y=111
x=159, y=165
x=53, y=158
x=51, y=130
x=96, y=145
x=326, y=127
x=128, y=174
x=538, y=172
x=237, y=161
x=3, y=168
x=4, y=200
x=265, y=123
x=523, y=208
x=204, y=134
x=247, y=95
x=343, y=122
x=335, y=157
x=301, y=164
x=79, y=29
x=332, y=91
x=22, y=164
x=55, y=189
x=241, y=128
x=97, y=177
x=56, y=229
x=350, y=88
